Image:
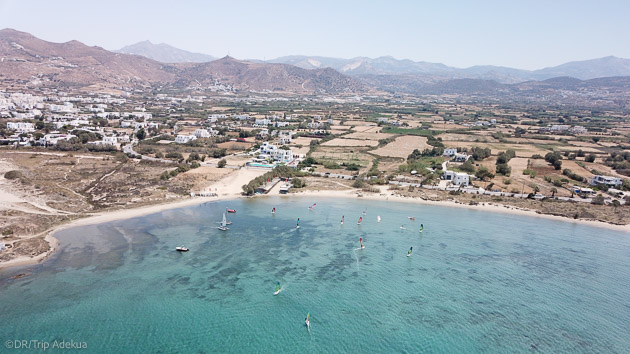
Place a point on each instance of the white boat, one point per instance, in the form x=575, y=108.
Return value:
x=223, y=226
x=181, y=249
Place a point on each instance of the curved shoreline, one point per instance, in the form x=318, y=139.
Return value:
x=123, y=214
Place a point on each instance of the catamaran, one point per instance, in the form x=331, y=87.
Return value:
x=223, y=226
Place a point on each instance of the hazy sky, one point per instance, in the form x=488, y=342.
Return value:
x=528, y=34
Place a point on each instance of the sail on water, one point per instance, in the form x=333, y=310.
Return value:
x=224, y=224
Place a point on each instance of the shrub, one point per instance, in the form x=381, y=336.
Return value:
x=479, y=153
x=358, y=183
x=598, y=200
x=298, y=183
x=590, y=158
x=13, y=174
x=504, y=169
x=574, y=176
x=483, y=173
x=222, y=163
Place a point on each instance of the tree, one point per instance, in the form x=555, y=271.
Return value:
x=590, y=158
x=141, y=134
x=297, y=182
x=483, y=173
x=222, y=163
x=553, y=192
x=503, y=169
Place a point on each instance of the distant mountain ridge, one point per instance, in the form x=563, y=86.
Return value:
x=30, y=61
x=164, y=53
x=583, y=70
x=27, y=61
x=386, y=65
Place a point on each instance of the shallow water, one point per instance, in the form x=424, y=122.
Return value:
x=476, y=282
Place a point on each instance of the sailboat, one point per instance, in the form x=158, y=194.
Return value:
x=223, y=226
x=226, y=220
x=342, y=219
x=378, y=218
x=360, y=220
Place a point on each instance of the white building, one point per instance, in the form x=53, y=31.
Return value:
x=461, y=157
x=607, y=180
x=183, y=139
x=21, y=127
x=577, y=130
x=285, y=140
x=202, y=133
x=559, y=128
x=282, y=155
x=52, y=139
x=450, y=151
x=262, y=121
x=313, y=125
x=457, y=178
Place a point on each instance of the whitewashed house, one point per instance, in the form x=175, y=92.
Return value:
x=21, y=127
x=183, y=139
x=450, y=152
x=202, y=133
x=457, y=178
x=460, y=157
x=607, y=180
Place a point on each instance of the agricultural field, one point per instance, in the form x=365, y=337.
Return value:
x=402, y=146
x=350, y=142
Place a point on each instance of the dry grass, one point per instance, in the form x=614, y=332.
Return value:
x=350, y=142
x=402, y=146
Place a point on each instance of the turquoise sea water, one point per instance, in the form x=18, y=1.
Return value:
x=476, y=282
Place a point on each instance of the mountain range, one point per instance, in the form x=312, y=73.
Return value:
x=424, y=71
x=30, y=61
x=27, y=61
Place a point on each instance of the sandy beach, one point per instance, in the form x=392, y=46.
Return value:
x=230, y=188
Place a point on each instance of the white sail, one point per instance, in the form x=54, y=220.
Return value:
x=224, y=221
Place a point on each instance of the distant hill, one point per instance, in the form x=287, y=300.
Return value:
x=587, y=69
x=361, y=66
x=27, y=60
x=165, y=53
x=30, y=60
x=273, y=77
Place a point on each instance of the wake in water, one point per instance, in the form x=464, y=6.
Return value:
x=354, y=252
